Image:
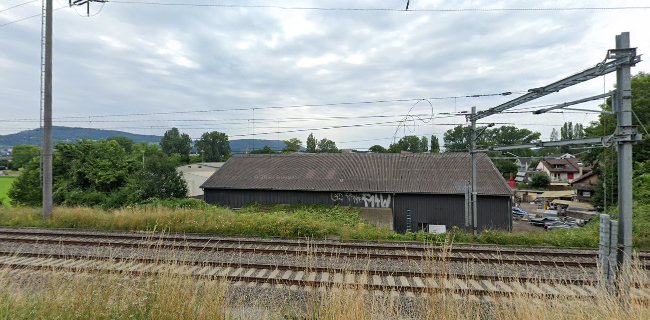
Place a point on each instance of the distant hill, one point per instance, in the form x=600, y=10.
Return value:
x=244, y=145
x=72, y=134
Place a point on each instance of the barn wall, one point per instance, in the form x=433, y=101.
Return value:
x=239, y=198
x=493, y=211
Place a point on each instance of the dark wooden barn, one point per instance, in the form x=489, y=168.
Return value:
x=412, y=190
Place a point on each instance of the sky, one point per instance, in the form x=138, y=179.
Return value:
x=278, y=69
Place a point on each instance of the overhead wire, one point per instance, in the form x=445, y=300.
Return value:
x=345, y=103
x=374, y=9
x=17, y=5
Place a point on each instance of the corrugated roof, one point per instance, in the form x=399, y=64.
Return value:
x=445, y=173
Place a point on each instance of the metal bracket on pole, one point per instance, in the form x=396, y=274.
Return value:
x=627, y=134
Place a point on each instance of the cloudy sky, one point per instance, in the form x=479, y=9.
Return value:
x=276, y=69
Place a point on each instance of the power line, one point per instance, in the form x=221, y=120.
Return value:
x=277, y=107
x=26, y=18
x=439, y=10
x=18, y=5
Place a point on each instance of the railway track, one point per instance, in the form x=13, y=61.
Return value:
x=298, y=276
x=410, y=251
x=311, y=280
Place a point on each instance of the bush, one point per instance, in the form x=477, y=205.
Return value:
x=540, y=180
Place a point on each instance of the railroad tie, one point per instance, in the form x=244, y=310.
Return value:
x=535, y=288
x=489, y=286
x=565, y=290
x=390, y=280
x=249, y=272
x=548, y=289
x=418, y=282
x=403, y=281
x=579, y=290
x=225, y=272
x=273, y=275
x=518, y=287
x=376, y=280
x=504, y=287
x=461, y=284
x=325, y=277
x=475, y=285
x=212, y=271
x=286, y=275
x=349, y=278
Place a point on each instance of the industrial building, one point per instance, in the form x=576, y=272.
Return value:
x=407, y=192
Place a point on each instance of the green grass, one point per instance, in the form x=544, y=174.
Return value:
x=5, y=184
x=293, y=222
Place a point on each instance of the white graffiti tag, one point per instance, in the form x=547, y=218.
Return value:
x=369, y=200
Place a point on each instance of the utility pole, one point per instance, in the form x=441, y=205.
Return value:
x=47, y=112
x=472, y=155
x=626, y=132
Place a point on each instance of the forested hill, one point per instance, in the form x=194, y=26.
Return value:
x=72, y=134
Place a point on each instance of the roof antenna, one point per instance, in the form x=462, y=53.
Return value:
x=407, y=5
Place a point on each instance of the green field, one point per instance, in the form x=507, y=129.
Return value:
x=5, y=184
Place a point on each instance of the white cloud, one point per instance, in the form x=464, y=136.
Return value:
x=137, y=59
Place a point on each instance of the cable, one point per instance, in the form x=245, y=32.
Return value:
x=451, y=10
x=26, y=18
x=18, y=5
x=641, y=124
x=274, y=107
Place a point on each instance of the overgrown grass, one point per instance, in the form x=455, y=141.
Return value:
x=290, y=222
x=5, y=185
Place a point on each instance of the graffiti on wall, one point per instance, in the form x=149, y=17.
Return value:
x=368, y=200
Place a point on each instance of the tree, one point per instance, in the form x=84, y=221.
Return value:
x=554, y=135
x=26, y=190
x=327, y=146
x=540, y=180
x=424, y=144
x=578, y=131
x=22, y=154
x=175, y=142
x=311, y=144
x=158, y=179
x=124, y=142
x=292, y=145
x=604, y=159
x=407, y=143
x=377, y=149
x=264, y=150
x=457, y=139
x=214, y=146
x=435, y=145
x=566, y=131
x=101, y=173
x=507, y=167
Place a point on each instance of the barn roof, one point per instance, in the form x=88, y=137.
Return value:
x=444, y=173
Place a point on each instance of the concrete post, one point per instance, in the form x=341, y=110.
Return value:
x=47, y=149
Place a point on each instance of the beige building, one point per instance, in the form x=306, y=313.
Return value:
x=196, y=174
x=562, y=171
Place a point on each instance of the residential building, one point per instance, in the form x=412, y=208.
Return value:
x=585, y=186
x=563, y=170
